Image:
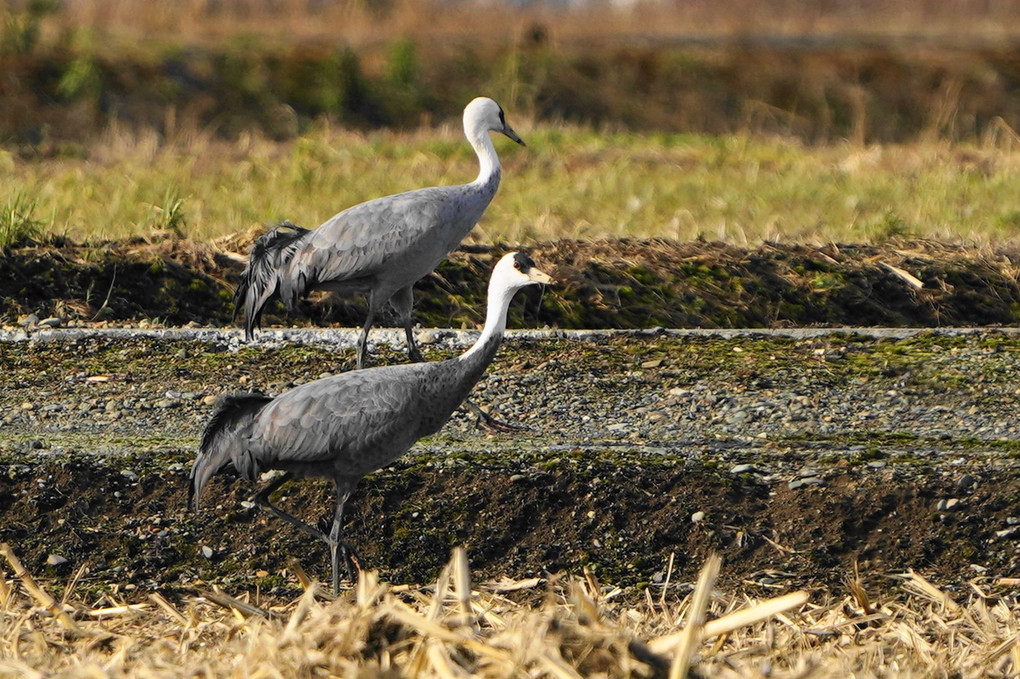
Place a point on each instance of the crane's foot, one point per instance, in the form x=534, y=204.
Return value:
x=486, y=421
x=353, y=562
x=342, y=551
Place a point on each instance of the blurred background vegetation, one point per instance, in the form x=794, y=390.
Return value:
x=819, y=70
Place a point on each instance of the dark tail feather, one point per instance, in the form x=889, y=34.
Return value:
x=259, y=280
x=233, y=412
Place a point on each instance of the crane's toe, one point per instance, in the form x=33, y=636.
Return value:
x=341, y=550
x=486, y=421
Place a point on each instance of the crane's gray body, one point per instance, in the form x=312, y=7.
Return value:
x=385, y=245
x=381, y=247
x=340, y=427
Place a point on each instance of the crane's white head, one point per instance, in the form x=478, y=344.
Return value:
x=511, y=273
x=514, y=271
x=484, y=115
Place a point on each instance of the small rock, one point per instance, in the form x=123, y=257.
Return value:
x=697, y=517
x=806, y=481
x=966, y=482
x=207, y=552
x=746, y=468
x=129, y=475
x=654, y=363
x=951, y=503
x=55, y=560
x=52, y=322
x=29, y=321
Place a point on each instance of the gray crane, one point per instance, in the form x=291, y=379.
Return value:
x=346, y=426
x=380, y=247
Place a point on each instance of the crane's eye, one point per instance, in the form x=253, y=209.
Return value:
x=517, y=265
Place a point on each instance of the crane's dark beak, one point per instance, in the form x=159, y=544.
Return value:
x=509, y=131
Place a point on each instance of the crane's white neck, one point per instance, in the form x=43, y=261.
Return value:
x=488, y=161
x=495, y=319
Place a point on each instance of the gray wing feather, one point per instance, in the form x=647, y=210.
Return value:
x=360, y=241
x=223, y=440
x=259, y=280
x=359, y=419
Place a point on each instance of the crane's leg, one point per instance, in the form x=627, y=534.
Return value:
x=403, y=302
x=262, y=499
x=363, y=340
x=338, y=547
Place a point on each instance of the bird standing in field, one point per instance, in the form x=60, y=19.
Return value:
x=346, y=426
x=381, y=247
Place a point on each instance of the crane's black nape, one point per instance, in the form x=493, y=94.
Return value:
x=523, y=263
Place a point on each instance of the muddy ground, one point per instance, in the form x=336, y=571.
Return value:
x=795, y=457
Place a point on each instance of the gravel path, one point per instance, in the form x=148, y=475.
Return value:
x=833, y=394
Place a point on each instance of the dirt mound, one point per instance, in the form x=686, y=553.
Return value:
x=620, y=520
x=602, y=284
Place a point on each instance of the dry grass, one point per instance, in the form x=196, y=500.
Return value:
x=456, y=628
